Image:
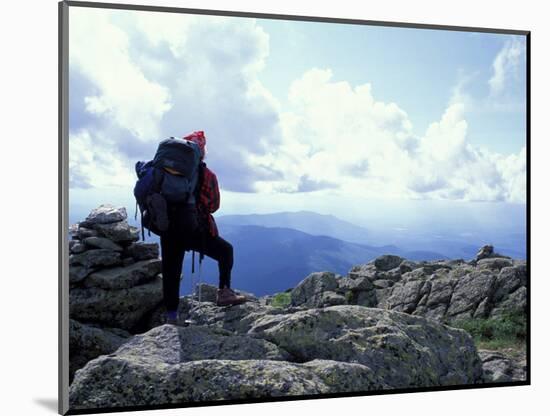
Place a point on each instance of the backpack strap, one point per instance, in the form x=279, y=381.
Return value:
x=200, y=180
x=158, y=180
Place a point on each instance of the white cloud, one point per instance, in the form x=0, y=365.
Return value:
x=513, y=170
x=506, y=84
x=92, y=162
x=153, y=75
x=458, y=170
x=507, y=64
x=337, y=136
x=100, y=50
x=459, y=93
x=333, y=134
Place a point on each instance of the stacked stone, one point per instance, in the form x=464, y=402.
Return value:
x=115, y=283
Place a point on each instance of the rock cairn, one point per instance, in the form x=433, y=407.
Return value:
x=115, y=283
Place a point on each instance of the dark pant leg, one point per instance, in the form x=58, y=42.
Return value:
x=222, y=251
x=172, y=252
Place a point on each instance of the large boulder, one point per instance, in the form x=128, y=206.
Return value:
x=120, y=308
x=309, y=292
x=402, y=350
x=87, y=342
x=113, y=381
x=172, y=364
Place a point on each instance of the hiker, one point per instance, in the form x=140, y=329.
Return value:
x=205, y=239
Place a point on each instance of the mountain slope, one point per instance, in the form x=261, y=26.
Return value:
x=272, y=259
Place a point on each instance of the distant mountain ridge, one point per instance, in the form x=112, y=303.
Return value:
x=272, y=252
x=284, y=256
x=306, y=221
x=421, y=242
x=271, y=259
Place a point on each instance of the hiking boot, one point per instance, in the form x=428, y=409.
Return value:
x=228, y=297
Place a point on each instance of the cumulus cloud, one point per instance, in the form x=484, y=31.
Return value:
x=339, y=137
x=506, y=92
x=147, y=76
x=92, y=162
x=507, y=64
x=447, y=166
x=123, y=92
x=332, y=130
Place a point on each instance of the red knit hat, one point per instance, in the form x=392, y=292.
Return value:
x=199, y=138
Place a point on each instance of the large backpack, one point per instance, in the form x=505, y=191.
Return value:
x=171, y=177
x=179, y=159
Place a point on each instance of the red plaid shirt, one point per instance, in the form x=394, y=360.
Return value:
x=209, y=199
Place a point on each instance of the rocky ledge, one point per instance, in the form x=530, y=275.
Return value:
x=386, y=324
x=446, y=290
x=344, y=348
